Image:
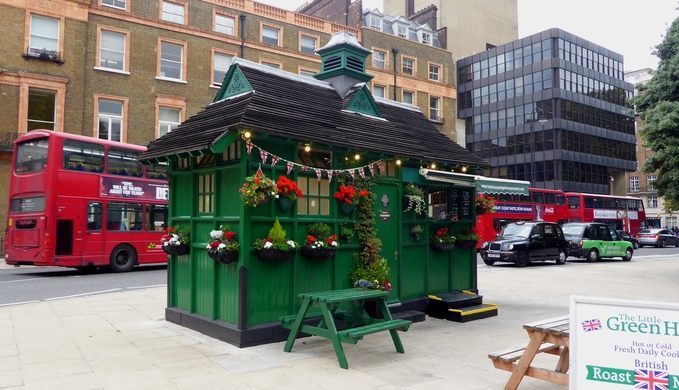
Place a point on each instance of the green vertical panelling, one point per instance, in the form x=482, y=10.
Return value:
x=227, y=291
x=181, y=283
x=312, y=275
x=182, y=194
x=387, y=222
x=228, y=180
x=462, y=268
x=437, y=271
x=413, y=272
x=203, y=269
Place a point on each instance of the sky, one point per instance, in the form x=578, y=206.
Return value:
x=629, y=27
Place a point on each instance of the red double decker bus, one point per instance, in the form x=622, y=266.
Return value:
x=539, y=205
x=620, y=212
x=80, y=202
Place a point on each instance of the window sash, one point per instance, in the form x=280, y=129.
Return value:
x=379, y=59
x=408, y=97
x=426, y=38
x=39, y=115
x=112, y=50
x=168, y=119
x=120, y=4
x=308, y=44
x=402, y=31
x=434, y=72
x=270, y=35
x=225, y=24
x=408, y=66
x=110, y=119
x=375, y=23
x=379, y=90
x=219, y=67
x=44, y=33
x=171, y=64
x=434, y=107
x=173, y=12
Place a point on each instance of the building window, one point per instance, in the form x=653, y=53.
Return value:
x=120, y=4
x=375, y=22
x=652, y=202
x=408, y=66
x=168, y=119
x=274, y=65
x=307, y=72
x=173, y=12
x=225, y=24
x=110, y=119
x=316, y=199
x=171, y=60
x=402, y=31
x=307, y=44
x=671, y=222
x=112, y=50
x=41, y=109
x=220, y=65
x=379, y=59
x=650, y=179
x=44, y=36
x=634, y=183
x=409, y=97
x=426, y=38
x=378, y=90
x=434, y=108
x=206, y=193
x=270, y=35
x=434, y=72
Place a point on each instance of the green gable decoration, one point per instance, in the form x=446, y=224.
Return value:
x=363, y=103
x=234, y=84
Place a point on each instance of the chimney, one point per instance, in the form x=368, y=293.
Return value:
x=343, y=62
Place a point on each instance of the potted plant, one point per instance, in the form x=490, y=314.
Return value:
x=442, y=240
x=484, y=203
x=467, y=239
x=416, y=232
x=345, y=196
x=373, y=275
x=176, y=241
x=288, y=192
x=275, y=246
x=347, y=233
x=223, y=246
x=413, y=199
x=257, y=189
x=320, y=243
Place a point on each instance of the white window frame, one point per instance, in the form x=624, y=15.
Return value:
x=375, y=22
x=412, y=94
x=110, y=117
x=405, y=28
x=214, y=66
x=301, y=45
x=427, y=38
x=167, y=16
x=102, y=49
x=271, y=28
x=181, y=62
x=435, y=113
x=377, y=87
x=434, y=76
x=412, y=66
x=652, y=201
x=377, y=61
x=225, y=27
x=650, y=179
x=634, y=183
x=103, y=3
x=54, y=114
x=272, y=64
x=33, y=49
x=168, y=124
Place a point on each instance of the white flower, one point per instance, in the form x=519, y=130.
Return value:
x=216, y=234
x=221, y=246
x=268, y=245
x=277, y=196
x=334, y=243
x=291, y=244
x=208, y=246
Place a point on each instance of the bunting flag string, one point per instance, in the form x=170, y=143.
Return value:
x=320, y=172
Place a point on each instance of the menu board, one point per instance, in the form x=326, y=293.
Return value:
x=454, y=205
x=466, y=204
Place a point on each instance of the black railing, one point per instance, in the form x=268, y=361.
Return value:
x=7, y=139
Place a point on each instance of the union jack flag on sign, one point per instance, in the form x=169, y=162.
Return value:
x=651, y=380
x=590, y=325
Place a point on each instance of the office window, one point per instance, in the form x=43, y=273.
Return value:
x=225, y=24
x=44, y=36
x=408, y=97
x=402, y=30
x=634, y=183
x=375, y=22
x=120, y=4
x=173, y=12
x=408, y=66
x=650, y=179
x=41, y=109
x=271, y=64
x=112, y=50
x=426, y=38
x=307, y=44
x=434, y=108
x=307, y=72
x=652, y=202
x=220, y=66
x=171, y=60
x=110, y=119
x=168, y=119
x=379, y=59
x=270, y=35
x=434, y=72
x=378, y=90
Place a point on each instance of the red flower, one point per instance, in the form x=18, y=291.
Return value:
x=287, y=187
x=310, y=239
x=214, y=244
x=442, y=232
x=268, y=239
x=230, y=235
x=330, y=239
x=345, y=194
x=363, y=193
x=170, y=230
x=386, y=285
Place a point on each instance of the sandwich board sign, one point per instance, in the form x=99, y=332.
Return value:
x=620, y=344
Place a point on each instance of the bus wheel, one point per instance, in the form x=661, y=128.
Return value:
x=123, y=258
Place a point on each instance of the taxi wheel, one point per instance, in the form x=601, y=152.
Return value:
x=522, y=260
x=593, y=256
x=489, y=261
x=628, y=255
x=562, y=257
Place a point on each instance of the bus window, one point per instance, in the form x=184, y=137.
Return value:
x=27, y=205
x=640, y=205
x=550, y=198
x=31, y=156
x=573, y=202
x=124, y=163
x=156, y=217
x=124, y=216
x=589, y=202
x=560, y=199
x=608, y=203
x=94, y=210
x=83, y=156
x=156, y=171
x=536, y=197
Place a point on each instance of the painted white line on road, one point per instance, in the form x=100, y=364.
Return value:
x=17, y=303
x=20, y=280
x=83, y=294
x=149, y=286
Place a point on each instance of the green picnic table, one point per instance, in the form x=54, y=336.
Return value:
x=346, y=305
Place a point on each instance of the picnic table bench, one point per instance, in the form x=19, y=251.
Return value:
x=359, y=323
x=547, y=336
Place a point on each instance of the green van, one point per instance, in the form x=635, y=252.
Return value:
x=594, y=241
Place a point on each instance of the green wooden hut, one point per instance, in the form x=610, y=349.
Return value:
x=311, y=130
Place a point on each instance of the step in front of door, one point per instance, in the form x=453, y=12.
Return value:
x=439, y=304
x=472, y=313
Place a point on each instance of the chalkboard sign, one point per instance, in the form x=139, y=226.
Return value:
x=454, y=204
x=466, y=204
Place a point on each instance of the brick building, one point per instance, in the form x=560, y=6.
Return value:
x=131, y=70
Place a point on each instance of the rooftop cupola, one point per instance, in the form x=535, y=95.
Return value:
x=343, y=60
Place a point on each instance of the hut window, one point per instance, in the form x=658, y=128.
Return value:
x=206, y=193
x=316, y=199
x=388, y=168
x=183, y=163
x=438, y=205
x=232, y=152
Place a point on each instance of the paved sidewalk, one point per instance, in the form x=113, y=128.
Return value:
x=121, y=340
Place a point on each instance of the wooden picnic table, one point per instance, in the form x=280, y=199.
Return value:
x=346, y=305
x=547, y=336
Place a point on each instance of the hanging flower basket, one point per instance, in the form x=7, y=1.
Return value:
x=272, y=255
x=284, y=204
x=176, y=250
x=465, y=244
x=442, y=247
x=317, y=253
x=288, y=192
x=484, y=203
x=347, y=208
x=257, y=189
x=223, y=257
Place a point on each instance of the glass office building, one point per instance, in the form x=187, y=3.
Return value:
x=550, y=108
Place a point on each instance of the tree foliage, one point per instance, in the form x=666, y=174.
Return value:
x=658, y=105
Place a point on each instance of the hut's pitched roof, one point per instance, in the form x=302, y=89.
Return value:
x=309, y=110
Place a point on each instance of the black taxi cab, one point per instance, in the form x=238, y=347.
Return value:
x=523, y=242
